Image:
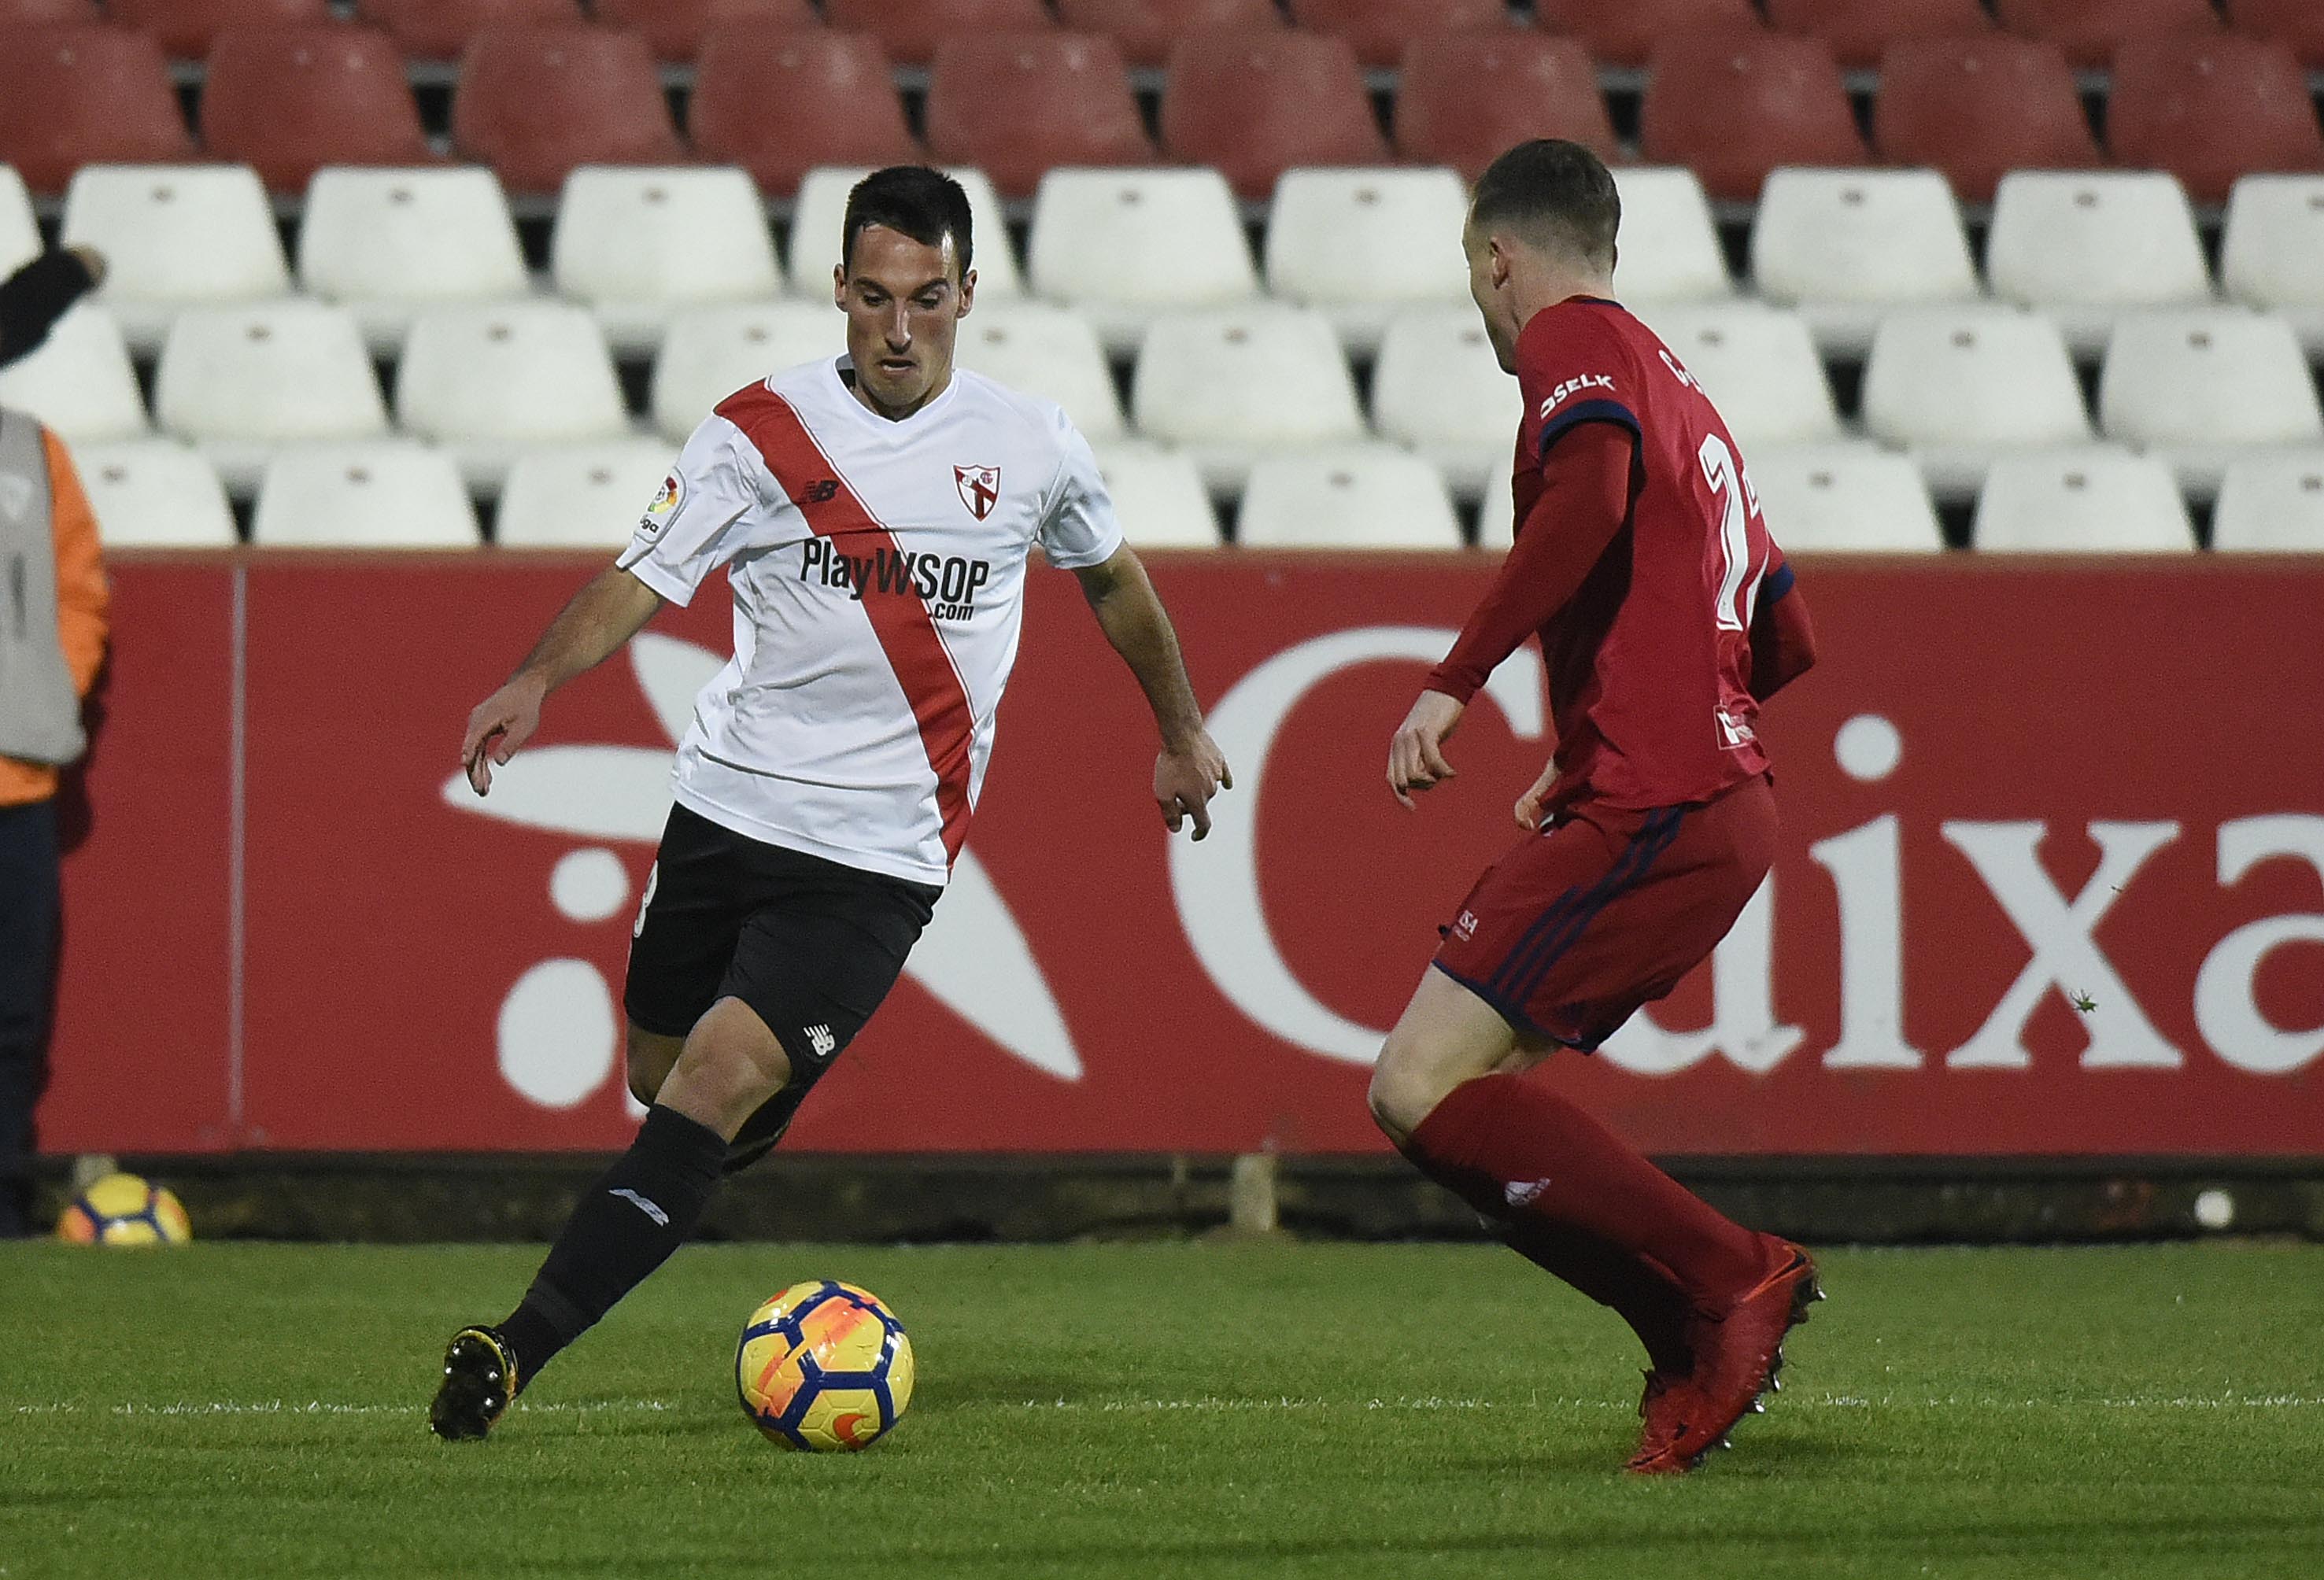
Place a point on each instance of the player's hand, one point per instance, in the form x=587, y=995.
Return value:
x=1416, y=757
x=503, y=723
x=1528, y=807
x=1184, y=781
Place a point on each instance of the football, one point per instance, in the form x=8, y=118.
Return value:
x=824, y=1366
x=122, y=1209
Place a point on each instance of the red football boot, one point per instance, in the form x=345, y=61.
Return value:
x=1670, y=1404
x=1736, y=1358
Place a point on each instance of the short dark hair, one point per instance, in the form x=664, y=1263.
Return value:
x=1555, y=194
x=923, y=204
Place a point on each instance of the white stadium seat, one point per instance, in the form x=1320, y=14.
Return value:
x=819, y=225
x=390, y=493
x=1046, y=350
x=2273, y=253
x=1843, y=246
x=386, y=243
x=20, y=233
x=1232, y=385
x=586, y=496
x=2198, y=388
x=2272, y=504
x=1853, y=499
x=2085, y=245
x=1669, y=247
x=1497, y=511
x=241, y=381
x=1960, y=387
x=635, y=243
x=1362, y=496
x=154, y=493
x=1361, y=244
x=1158, y=496
x=1758, y=366
x=80, y=381
x=175, y=236
x=709, y=352
x=1437, y=389
x=490, y=382
x=2096, y=500
x=1123, y=245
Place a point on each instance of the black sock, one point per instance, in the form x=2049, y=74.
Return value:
x=626, y=1227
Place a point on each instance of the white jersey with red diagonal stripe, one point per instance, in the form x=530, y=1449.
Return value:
x=878, y=578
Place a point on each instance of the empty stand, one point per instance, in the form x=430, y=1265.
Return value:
x=20, y=233
x=1362, y=243
x=1626, y=33
x=2089, y=30
x=2272, y=504
x=154, y=493
x=1845, y=246
x=1046, y=350
x=1438, y=388
x=289, y=100
x=2298, y=24
x=1758, y=366
x=386, y=243
x=1381, y=29
x=80, y=381
x=489, y=382
x=175, y=236
x=1978, y=108
x=243, y=382
x=1255, y=103
x=2273, y=253
x=2196, y=387
x=535, y=102
x=2211, y=109
x=187, y=29
x=1158, y=496
x=1845, y=499
x=1123, y=245
x=675, y=28
x=1734, y=107
x=442, y=29
x=1146, y=29
x=1858, y=30
x=912, y=31
x=80, y=95
x=1497, y=512
x=820, y=223
x=1462, y=98
x=1235, y=384
x=390, y=494
x=1962, y=386
x=637, y=242
x=780, y=102
x=709, y=352
x=1014, y=105
x=1668, y=247
x=2098, y=499
x=1367, y=496
x=579, y=496
x=2087, y=246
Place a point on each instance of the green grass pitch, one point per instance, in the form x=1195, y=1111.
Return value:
x=1160, y=1410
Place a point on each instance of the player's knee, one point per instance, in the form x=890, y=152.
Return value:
x=731, y=1064
x=1402, y=1091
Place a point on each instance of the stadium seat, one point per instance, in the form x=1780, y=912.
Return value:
x=534, y=102
x=1437, y=389
x=675, y=28
x=1844, y=499
x=2211, y=109
x=489, y=382
x=2089, y=30
x=1157, y=496
x=1668, y=247
x=1976, y=108
x=1013, y=105
x=1123, y=245
x=1361, y=496
x=710, y=353
x=154, y=493
x=2196, y=387
x=2099, y=499
x=2273, y=253
x=2272, y=504
x=1734, y=107
x=1497, y=512
x=389, y=494
x=82, y=96
x=2298, y=24
x=1843, y=246
x=188, y=29
x=385, y=243
x=243, y=382
x=1858, y=30
x=1381, y=29
x=442, y=29
x=289, y=100
x=1361, y=245
x=912, y=31
x=1046, y=350
x=637, y=242
x=820, y=227
x=20, y=233
x=1758, y=366
x=1961, y=386
x=579, y=496
x=1463, y=98
x=1232, y=384
x=80, y=381
x=2088, y=246
x=1625, y=34
x=1146, y=29
x=175, y=236
x=781, y=103
x=1254, y=104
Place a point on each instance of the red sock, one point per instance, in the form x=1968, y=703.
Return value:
x=1512, y=1147
x=1653, y=1306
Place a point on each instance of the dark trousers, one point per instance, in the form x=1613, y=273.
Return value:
x=31, y=900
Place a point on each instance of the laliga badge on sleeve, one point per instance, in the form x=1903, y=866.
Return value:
x=666, y=501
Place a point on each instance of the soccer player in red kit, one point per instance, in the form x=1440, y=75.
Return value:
x=1666, y=616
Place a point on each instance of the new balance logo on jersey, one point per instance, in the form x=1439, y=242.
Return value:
x=820, y=1038
x=821, y=491
x=980, y=487
x=650, y=1208
x=1733, y=731
x=1575, y=386
x=946, y=583
x=1465, y=927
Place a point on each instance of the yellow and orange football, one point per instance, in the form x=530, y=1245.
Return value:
x=824, y=1366
x=122, y=1209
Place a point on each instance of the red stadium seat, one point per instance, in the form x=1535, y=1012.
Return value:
x=1464, y=99
x=1255, y=103
x=86, y=94
x=911, y=30
x=1626, y=33
x=533, y=102
x=440, y=30
x=18, y=12
x=1976, y=108
x=2299, y=24
x=289, y=100
x=2089, y=30
x=1014, y=104
x=1146, y=29
x=1858, y=30
x=1381, y=29
x=778, y=104
x=2209, y=110
x=675, y=28
x=187, y=28
x=1735, y=106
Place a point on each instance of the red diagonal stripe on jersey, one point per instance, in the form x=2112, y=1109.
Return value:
x=907, y=631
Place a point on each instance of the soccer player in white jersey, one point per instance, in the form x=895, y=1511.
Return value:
x=874, y=514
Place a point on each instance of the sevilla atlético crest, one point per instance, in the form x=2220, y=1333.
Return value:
x=980, y=487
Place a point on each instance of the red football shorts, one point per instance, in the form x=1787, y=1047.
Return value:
x=1570, y=931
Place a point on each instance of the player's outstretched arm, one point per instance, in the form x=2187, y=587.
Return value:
x=1190, y=768
x=608, y=612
